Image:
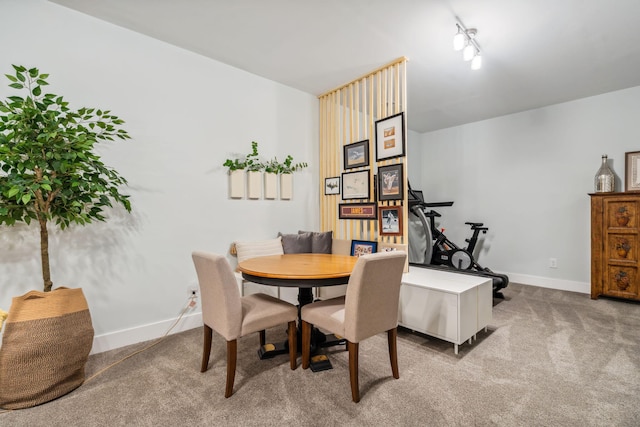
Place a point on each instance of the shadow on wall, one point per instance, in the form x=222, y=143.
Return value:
x=78, y=253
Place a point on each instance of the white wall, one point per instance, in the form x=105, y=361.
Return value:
x=186, y=114
x=527, y=177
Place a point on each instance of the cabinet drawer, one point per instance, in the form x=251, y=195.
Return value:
x=622, y=282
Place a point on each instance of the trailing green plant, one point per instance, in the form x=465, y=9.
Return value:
x=289, y=167
x=48, y=168
x=286, y=167
x=272, y=166
x=250, y=162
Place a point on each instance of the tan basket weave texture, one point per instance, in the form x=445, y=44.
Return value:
x=45, y=346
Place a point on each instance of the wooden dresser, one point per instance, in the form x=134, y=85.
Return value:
x=615, y=245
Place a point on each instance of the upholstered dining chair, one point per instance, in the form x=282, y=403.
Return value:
x=369, y=307
x=233, y=316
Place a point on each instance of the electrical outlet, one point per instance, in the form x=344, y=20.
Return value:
x=193, y=291
x=553, y=263
x=193, y=296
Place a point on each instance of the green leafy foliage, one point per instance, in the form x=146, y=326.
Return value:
x=289, y=167
x=251, y=162
x=286, y=167
x=48, y=168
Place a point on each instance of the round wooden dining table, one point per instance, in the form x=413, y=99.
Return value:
x=304, y=271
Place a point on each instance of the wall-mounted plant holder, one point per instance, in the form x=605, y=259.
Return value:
x=286, y=186
x=236, y=184
x=255, y=184
x=270, y=185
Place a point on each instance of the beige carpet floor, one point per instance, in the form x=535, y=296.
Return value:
x=550, y=358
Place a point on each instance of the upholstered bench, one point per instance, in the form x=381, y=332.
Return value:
x=302, y=242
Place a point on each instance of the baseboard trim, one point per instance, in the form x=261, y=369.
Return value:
x=125, y=337
x=549, y=282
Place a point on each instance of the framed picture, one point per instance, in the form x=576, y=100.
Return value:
x=390, y=182
x=632, y=171
x=355, y=185
x=332, y=185
x=363, y=247
x=390, y=220
x=357, y=211
x=356, y=154
x=390, y=137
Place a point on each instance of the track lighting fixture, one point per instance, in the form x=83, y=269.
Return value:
x=465, y=41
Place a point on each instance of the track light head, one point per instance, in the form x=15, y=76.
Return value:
x=458, y=41
x=468, y=52
x=476, y=62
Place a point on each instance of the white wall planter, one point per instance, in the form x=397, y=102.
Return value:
x=236, y=184
x=286, y=186
x=270, y=185
x=255, y=184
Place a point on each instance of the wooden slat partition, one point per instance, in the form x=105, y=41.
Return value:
x=347, y=115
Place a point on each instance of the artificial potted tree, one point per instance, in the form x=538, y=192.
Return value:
x=50, y=173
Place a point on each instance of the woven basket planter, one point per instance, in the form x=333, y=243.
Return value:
x=45, y=346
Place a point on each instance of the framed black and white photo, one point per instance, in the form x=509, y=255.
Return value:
x=355, y=185
x=390, y=137
x=390, y=182
x=332, y=185
x=356, y=155
x=390, y=220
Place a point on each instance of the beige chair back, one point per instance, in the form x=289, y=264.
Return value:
x=219, y=294
x=371, y=302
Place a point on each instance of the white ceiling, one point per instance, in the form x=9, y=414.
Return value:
x=535, y=52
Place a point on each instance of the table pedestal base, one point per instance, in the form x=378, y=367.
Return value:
x=268, y=351
x=318, y=339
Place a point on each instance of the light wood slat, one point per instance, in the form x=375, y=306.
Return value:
x=395, y=61
x=351, y=115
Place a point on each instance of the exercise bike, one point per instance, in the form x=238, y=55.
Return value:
x=430, y=247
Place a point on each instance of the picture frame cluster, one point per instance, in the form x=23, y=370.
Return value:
x=360, y=192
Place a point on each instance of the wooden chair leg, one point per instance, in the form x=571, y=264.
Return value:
x=232, y=357
x=392, y=337
x=206, y=348
x=353, y=370
x=293, y=345
x=306, y=344
x=263, y=337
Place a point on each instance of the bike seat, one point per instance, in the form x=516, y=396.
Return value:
x=475, y=224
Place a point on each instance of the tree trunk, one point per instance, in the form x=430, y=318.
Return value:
x=44, y=255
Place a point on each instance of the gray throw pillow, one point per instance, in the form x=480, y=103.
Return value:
x=320, y=241
x=296, y=243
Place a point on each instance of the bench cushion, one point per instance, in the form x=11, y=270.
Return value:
x=320, y=241
x=247, y=250
x=296, y=243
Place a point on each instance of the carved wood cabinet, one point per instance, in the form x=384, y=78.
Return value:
x=615, y=240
